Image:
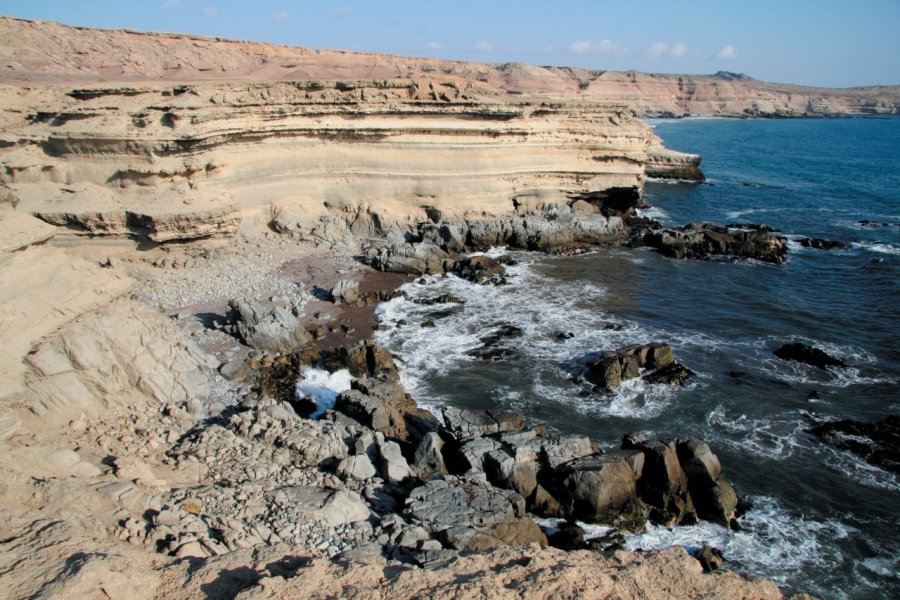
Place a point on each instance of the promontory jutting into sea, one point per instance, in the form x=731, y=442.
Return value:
x=311, y=323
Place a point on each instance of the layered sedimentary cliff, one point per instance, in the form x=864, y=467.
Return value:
x=188, y=161
x=50, y=52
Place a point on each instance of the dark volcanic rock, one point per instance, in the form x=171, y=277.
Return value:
x=702, y=240
x=820, y=244
x=800, y=352
x=877, y=443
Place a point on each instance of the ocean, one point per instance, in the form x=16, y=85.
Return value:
x=822, y=521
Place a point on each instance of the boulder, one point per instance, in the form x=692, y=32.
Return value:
x=608, y=371
x=468, y=513
x=428, y=460
x=364, y=359
x=270, y=329
x=800, y=352
x=601, y=488
x=358, y=467
x=392, y=465
x=663, y=483
x=493, y=347
x=714, y=499
x=385, y=407
x=345, y=291
x=469, y=424
x=334, y=507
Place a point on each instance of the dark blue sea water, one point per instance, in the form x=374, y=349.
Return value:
x=822, y=520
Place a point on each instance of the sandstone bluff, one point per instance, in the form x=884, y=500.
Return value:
x=186, y=224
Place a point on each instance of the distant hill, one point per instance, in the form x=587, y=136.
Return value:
x=39, y=52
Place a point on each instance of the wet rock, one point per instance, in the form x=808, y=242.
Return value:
x=493, y=347
x=663, y=483
x=602, y=489
x=877, y=443
x=714, y=498
x=608, y=371
x=469, y=513
x=672, y=374
x=702, y=240
x=482, y=270
x=820, y=244
x=270, y=329
x=442, y=299
x=365, y=359
x=800, y=352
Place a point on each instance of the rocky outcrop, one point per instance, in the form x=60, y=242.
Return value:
x=663, y=163
x=703, y=240
x=654, y=362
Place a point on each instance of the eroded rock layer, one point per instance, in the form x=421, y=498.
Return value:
x=190, y=161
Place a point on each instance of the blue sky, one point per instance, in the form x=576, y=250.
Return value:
x=823, y=42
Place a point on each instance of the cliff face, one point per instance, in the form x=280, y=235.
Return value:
x=178, y=162
x=43, y=52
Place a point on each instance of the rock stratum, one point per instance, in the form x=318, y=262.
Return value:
x=46, y=52
x=182, y=234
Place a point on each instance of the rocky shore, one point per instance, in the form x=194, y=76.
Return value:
x=191, y=402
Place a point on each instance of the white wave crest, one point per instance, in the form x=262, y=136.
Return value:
x=322, y=387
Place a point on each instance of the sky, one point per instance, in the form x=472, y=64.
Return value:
x=834, y=43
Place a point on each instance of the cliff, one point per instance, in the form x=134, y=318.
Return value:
x=46, y=52
x=189, y=161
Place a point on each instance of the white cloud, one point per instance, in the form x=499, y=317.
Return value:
x=727, y=53
x=434, y=45
x=662, y=49
x=344, y=12
x=168, y=4
x=210, y=12
x=282, y=16
x=607, y=47
x=482, y=46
